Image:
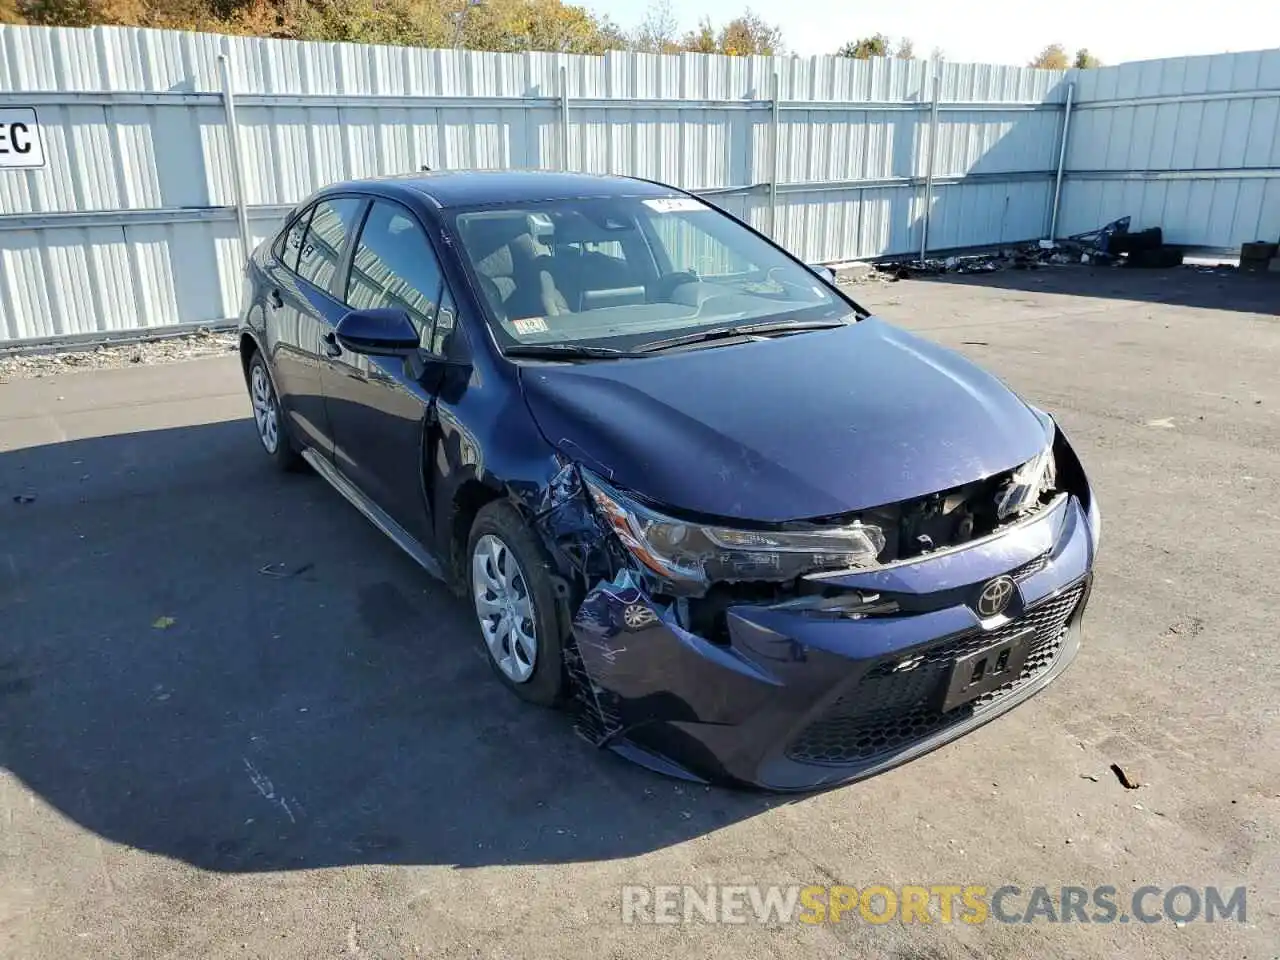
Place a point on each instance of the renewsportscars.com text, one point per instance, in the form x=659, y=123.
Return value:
x=934, y=903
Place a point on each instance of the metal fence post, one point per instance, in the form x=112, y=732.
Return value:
x=1062, y=159
x=929, y=161
x=564, y=117
x=233, y=148
x=775, y=127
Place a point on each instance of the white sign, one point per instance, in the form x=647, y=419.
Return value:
x=674, y=204
x=20, y=142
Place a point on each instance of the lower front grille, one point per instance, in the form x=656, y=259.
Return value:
x=1031, y=568
x=890, y=708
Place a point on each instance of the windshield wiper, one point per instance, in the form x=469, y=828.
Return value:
x=566, y=351
x=741, y=330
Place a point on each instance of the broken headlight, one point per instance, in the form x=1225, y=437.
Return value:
x=680, y=551
x=1029, y=483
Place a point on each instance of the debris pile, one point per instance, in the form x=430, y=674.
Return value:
x=202, y=343
x=1259, y=257
x=1113, y=244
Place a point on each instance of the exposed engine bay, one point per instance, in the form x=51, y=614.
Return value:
x=698, y=572
x=631, y=571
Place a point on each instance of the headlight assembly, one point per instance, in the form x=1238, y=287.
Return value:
x=1027, y=485
x=689, y=552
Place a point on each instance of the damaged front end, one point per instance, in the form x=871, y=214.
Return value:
x=710, y=651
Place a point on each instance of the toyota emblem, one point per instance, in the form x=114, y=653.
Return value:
x=995, y=597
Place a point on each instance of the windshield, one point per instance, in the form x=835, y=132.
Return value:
x=623, y=272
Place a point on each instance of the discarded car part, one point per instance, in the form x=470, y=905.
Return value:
x=1099, y=241
x=1126, y=781
x=1137, y=241
x=576, y=400
x=1258, y=251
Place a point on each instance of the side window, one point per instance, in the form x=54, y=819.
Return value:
x=290, y=241
x=331, y=225
x=394, y=266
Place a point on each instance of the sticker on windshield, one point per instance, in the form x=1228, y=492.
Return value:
x=674, y=204
x=530, y=325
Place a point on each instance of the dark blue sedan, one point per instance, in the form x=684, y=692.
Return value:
x=696, y=494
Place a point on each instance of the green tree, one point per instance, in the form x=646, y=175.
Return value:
x=507, y=25
x=701, y=40
x=866, y=48
x=743, y=36
x=61, y=13
x=1086, y=60
x=549, y=25
x=749, y=35
x=558, y=26
x=657, y=30
x=1052, y=57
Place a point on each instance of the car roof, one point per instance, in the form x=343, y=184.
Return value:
x=465, y=188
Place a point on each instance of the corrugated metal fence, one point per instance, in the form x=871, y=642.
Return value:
x=137, y=219
x=133, y=221
x=1190, y=144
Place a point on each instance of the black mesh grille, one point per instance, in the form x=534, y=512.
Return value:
x=1031, y=567
x=897, y=702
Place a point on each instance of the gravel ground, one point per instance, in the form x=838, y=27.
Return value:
x=235, y=721
x=203, y=343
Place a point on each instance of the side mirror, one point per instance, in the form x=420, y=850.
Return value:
x=825, y=272
x=378, y=332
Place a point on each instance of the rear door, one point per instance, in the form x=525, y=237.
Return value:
x=302, y=308
x=378, y=406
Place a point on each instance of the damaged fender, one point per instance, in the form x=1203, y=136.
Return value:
x=629, y=657
x=643, y=667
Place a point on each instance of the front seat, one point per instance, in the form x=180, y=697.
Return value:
x=514, y=276
x=535, y=284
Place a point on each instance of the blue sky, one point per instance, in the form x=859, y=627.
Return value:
x=999, y=31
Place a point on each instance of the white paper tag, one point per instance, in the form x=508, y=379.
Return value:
x=530, y=325
x=674, y=204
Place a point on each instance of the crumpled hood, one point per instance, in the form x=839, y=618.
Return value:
x=796, y=427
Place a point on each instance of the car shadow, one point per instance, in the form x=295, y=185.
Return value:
x=1188, y=286
x=214, y=662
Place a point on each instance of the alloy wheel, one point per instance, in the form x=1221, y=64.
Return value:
x=266, y=412
x=504, y=608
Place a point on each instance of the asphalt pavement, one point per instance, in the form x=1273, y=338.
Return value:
x=236, y=721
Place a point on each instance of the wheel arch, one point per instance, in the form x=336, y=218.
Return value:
x=248, y=347
x=469, y=498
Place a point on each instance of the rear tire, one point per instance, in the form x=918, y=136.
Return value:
x=509, y=582
x=273, y=430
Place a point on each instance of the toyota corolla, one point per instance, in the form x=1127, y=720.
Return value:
x=692, y=491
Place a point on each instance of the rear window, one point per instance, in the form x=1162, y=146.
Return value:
x=290, y=242
x=326, y=239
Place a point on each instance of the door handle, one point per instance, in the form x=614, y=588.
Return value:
x=275, y=300
x=331, y=346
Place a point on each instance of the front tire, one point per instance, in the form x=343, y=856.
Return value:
x=268, y=417
x=510, y=585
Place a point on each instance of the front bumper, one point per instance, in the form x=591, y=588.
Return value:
x=796, y=702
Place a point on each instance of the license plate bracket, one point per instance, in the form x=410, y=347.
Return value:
x=987, y=669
